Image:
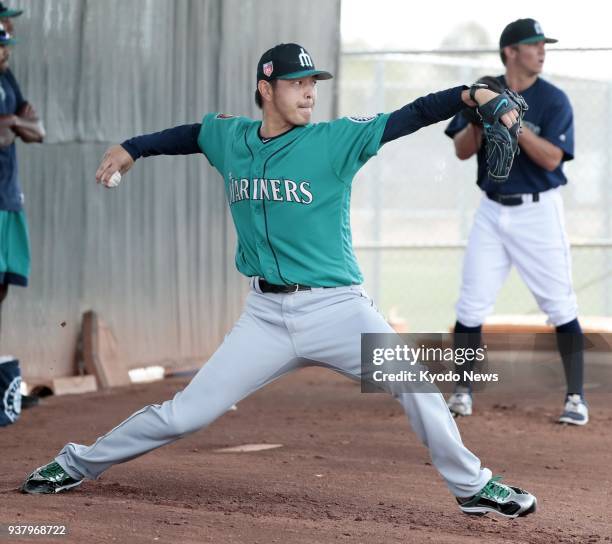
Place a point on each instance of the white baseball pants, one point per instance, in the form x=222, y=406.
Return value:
x=531, y=237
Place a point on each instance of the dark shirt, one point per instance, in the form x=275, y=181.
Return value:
x=550, y=117
x=11, y=100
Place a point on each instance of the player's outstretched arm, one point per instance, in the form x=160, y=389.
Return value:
x=181, y=140
x=436, y=107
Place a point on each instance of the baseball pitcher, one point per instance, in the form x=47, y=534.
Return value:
x=288, y=185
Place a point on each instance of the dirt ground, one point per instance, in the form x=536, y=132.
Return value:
x=350, y=470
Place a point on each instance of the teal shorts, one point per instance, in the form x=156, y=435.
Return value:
x=14, y=249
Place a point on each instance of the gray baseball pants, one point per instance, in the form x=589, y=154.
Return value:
x=275, y=334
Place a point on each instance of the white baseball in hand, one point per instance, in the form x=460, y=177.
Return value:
x=114, y=180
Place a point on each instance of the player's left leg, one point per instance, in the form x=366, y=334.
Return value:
x=540, y=250
x=256, y=351
x=3, y=293
x=4, y=250
x=15, y=242
x=327, y=327
x=570, y=342
x=14, y=268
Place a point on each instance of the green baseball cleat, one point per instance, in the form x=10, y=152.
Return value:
x=501, y=499
x=50, y=478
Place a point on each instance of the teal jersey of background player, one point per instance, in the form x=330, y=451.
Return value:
x=290, y=196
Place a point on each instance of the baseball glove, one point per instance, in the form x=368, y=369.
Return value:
x=501, y=143
x=470, y=114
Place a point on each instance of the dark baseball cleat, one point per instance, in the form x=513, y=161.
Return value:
x=501, y=499
x=50, y=478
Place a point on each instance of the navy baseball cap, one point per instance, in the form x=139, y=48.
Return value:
x=288, y=61
x=523, y=31
x=7, y=12
x=5, y=37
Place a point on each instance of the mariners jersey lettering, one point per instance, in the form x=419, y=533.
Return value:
x=289, y=197
x=275, y=189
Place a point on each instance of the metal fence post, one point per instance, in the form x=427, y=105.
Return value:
x=378, y=101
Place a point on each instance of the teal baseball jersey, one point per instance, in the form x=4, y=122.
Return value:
x=290, y=196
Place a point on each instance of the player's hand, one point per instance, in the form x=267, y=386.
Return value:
x=116, y=159
x=485, y=95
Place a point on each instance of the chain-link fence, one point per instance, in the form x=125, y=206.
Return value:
x=412, y=207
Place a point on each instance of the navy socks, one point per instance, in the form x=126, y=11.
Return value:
x=466, y=337
x=570, y=342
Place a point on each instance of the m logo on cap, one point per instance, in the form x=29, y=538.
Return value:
x=268, y=68
x=537, y=27
x=305, y=59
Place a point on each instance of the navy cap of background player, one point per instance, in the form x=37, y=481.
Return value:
x=288, y=61
x=523, y=31
x=7, y=12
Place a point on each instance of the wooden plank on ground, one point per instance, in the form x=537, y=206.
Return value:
x=101, y=352
x=74, y=384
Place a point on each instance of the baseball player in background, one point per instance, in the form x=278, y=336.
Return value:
x=18, y=119
x=520, y=222
x=288, y=185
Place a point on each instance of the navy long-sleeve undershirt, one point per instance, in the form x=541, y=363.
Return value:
x=181, y=140
x=424, y=111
